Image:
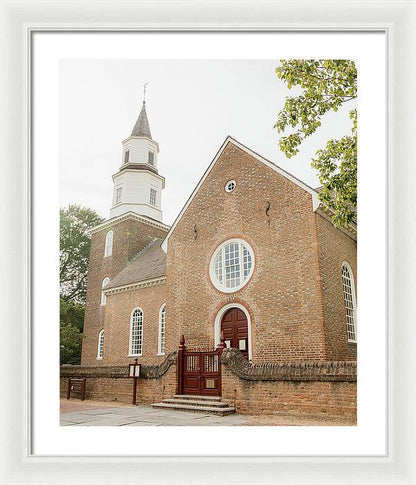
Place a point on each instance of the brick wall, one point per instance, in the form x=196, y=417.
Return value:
x=109, y=383
x=119, y=308
x=335, y=247
x=283, y=296
x=307, y=388
x=130, y=236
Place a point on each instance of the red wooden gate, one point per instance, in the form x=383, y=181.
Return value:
x=199, y=372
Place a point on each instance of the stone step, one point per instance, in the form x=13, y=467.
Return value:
x=195, y=409
x=195, y=402
x=196, y=397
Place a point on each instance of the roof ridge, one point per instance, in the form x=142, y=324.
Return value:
x=143, y=250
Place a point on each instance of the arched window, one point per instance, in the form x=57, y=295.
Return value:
x=108, y=251
x=105, y=282
x=232, y=265
x=136, y=332
x=349, y=301
x=162, y=329
x=100, y=344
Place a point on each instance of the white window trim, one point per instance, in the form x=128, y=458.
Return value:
x=100, y=345
x=151, y=191
x=130, y=354
x=106, y=252
x=103, y=296
x=119, y=193
x=217, y=325
x=212, y=274
x=354, y=300
x=159, y=340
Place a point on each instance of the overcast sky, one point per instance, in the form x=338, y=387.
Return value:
x=192, y=107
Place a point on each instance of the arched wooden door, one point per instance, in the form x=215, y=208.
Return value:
x=235, y=328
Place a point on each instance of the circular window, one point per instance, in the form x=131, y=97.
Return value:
x=231, y=265
x=230, y=185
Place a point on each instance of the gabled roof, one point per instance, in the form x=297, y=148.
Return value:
x=149, y=263
x=142, y=128
x=268, y=163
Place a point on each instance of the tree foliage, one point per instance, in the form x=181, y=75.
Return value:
x=73, y=257
x=71, y=325
x=75, y=250
x=325, y=86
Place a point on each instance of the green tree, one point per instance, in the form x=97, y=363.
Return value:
x=325, y=86
x=74, y=250
x=75, y=221
x=71, y=325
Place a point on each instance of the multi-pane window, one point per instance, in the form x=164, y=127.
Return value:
x=162, y=329
x=108, y=251
x=100, y=345
x=151, y=158
x=105, y=282
x=118, y=195
x=349, y=300
x=232, y=265
x=153, y=194
x=136, y=332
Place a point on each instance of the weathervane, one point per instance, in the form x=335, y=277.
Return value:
x=144, y=92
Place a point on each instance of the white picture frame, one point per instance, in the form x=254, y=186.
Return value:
x=18, y=21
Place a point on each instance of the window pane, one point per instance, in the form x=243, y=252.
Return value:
x=162, y=330
x=100, y=345
x=218, y=267
x=232, y=265
x=349, y=302
x=136, y=332
x=153, y=196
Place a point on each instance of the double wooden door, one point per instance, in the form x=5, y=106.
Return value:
x=235, y=327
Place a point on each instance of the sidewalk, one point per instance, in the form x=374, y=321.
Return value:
x=96, y=413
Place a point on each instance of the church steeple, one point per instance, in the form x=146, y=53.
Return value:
x=142, y=128
x=138, y=185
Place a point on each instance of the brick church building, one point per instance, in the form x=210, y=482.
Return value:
x=249, y=295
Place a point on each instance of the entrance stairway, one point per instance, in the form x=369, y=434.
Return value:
x=197, y=404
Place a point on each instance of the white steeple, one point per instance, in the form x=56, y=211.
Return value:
x=138, y=185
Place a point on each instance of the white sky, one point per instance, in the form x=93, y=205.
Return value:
x=192, y=106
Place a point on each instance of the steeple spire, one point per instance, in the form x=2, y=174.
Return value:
x=141, y=128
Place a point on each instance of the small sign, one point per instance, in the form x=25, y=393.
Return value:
x=210, y=384
x=242, y=344
x=134, y=370
x=228, y=343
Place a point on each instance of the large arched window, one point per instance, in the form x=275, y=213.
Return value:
x=100, y=345
x=162, y=329
x=108, y=251
x=231, y=265
x=105, y=282
x=136, y=332
x=349, y=301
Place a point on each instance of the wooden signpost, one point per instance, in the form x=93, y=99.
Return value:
x=134, y=373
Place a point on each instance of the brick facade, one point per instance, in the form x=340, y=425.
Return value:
x=130, y=235
x=284, y=296
x=117, y=324
x=335, y=247
x=294, y=299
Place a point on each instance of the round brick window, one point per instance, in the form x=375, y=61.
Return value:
x=231, y=265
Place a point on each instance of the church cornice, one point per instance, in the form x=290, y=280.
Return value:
x=134, y=286
x=129, y=215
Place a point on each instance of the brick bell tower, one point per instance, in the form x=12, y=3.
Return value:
x=135, y=220
x=137, y=184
